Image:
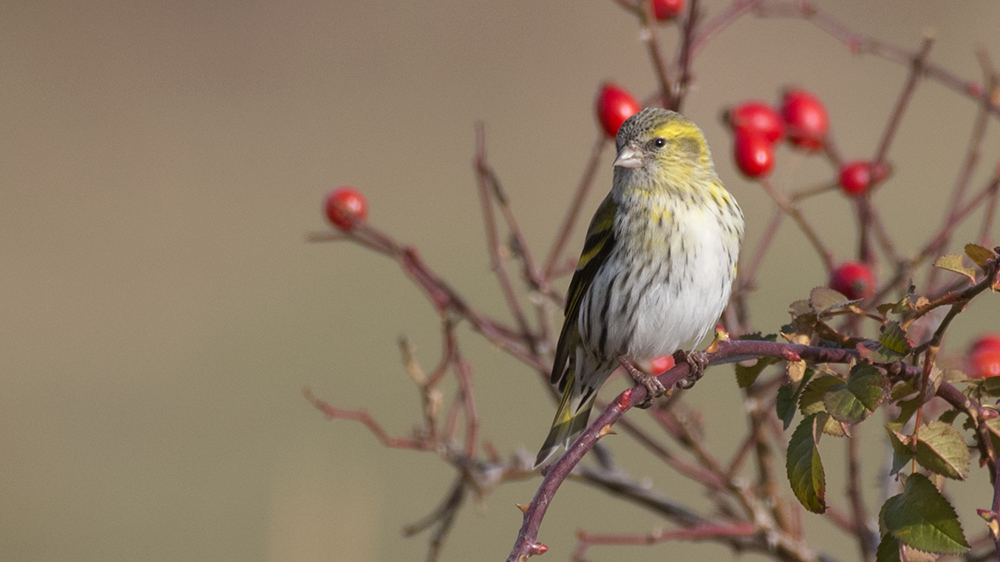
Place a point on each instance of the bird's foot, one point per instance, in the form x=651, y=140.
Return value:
x=698, y=360
x=654, y=388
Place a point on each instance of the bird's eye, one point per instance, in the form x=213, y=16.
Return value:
x=659, y=143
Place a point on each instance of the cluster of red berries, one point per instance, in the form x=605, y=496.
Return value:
x=803, y=120
x=802, y=117
x=758, y=128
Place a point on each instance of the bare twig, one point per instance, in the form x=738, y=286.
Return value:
x=791, y=210
x=573, y=212
x=916, y=70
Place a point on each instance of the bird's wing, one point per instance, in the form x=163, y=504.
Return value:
x=596, y=249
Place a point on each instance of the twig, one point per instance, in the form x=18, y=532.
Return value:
x=789, y=209
x=684, y=55
x=867, y=541
x=464, y=374
x=365, y=418
x=526, y=543
x=485, y=178
x=569, y=221
x=443, y=516
x=652, y=40
x=916, y=69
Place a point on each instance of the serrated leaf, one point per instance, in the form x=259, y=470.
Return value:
x=991, y=386
x=906, y=409
x=942, y=450
x=948, y=417
x=904, y=304
x=823, y=299
x=811, y=402
x=852, y=402
x=899, y=462
x=757, y=336
x=953, y=262
x=800, y=308
x=747, y=375
x=804, y=467
x=922, y=518
x=894, y=338
x=892, y=345
x=888, y=550
x=900, y=443
x=978, y=254
x=811, y=399
x=784, y=405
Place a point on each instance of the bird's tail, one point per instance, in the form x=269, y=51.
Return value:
x=570, y=421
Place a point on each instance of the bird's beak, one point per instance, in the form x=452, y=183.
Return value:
x=629, y=157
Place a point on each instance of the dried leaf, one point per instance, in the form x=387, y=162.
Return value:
x=953, y=262
x=978, y=254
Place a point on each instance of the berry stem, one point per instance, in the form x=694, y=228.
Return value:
x=656, y=57
x=685, y=54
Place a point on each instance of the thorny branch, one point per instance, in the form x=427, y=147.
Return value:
x=747, y=516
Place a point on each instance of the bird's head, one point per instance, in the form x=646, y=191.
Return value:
x=662, y=145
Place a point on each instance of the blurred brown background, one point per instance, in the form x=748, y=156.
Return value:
x=161, y=164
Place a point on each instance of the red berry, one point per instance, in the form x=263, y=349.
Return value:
x=664, y=10
x=758, y=117
x=754, y=155
x=855, y=177
x=661, y=364
x=614, y=106
x=853, y=279
x=984, y=362
x=985, y=341
x=806, y=119
x=345, y=206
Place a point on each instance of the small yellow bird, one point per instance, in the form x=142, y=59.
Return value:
x=656, y=270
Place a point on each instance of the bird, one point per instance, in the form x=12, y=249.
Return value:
x=656, y=270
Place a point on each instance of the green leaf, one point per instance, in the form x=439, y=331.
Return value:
x=922, y=518
x=824, y=299
x=888, y=550
x=784, y=405
x=852, y=402
x=901, y=451
x=991, y=386
x=978, y=254
x=948, y=417
x=811, y=402
x=900, y=443
x=953, y=262
x=892, y=345
x=805, y=469
x=942, y=450
x=894, y=338
x=811, y=399
x=786, y=399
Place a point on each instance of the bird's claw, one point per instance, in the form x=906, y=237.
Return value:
x=654, y=388
x=698, y=361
